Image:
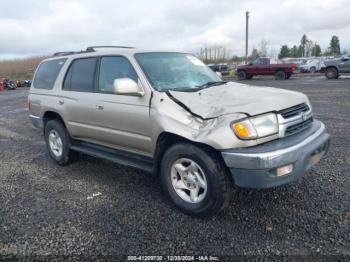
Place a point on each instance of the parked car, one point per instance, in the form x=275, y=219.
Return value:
x=170, y=115
x=312, y=65
x=266, y=66
x=337, y=66
x=27, y=83
x=293, y=60
x=223, y=69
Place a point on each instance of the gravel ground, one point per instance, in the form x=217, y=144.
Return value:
x=97, y=209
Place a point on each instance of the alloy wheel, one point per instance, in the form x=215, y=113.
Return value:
x=188, y=180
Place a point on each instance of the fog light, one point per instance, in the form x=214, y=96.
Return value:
x=284, y=170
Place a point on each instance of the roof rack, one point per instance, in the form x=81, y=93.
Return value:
x=89, y=49
x=92, y=48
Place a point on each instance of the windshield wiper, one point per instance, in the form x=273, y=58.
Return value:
x=211, y=83
x=197, y=87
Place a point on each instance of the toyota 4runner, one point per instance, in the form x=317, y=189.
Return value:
x=169, y=114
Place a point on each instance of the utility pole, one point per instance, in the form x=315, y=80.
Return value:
x=246, y=36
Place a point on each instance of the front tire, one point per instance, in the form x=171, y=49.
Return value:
x=313, y=70
x=332, y=73
x=58, y=143
x=195, y=179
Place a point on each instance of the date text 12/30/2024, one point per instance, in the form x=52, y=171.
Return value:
x=173, y=258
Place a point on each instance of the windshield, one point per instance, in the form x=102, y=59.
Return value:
x=175, y=71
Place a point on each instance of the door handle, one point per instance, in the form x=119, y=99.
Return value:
x=60, y=102
x=99, y=107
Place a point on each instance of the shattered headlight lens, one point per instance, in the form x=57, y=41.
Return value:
x=256, y=127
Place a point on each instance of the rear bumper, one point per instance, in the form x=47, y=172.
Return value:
x=256, y=167
x=36, y=121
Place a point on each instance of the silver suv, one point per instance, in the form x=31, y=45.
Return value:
x=169, y=114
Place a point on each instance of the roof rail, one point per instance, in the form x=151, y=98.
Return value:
x=89, y=49
x=64, y=53
x=92, y=48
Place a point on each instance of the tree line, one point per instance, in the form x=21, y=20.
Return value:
x=308, y=48
x=215, y=54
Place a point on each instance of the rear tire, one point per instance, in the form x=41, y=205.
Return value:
x=242, y=75
x=184, y=162
x=331, y=73
x=58, y=143
x=313, y=70
x=280, y=75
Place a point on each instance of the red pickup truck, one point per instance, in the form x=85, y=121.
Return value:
x=266, y=66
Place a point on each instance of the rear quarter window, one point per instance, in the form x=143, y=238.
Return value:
x=47, y=73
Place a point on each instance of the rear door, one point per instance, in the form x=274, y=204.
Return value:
x=78, y=99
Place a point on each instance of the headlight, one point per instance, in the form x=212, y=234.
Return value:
x=256, y=127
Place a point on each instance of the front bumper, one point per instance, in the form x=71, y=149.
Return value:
x=256, y=167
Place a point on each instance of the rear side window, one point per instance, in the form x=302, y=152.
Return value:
x=47, y=73
x=80, y=76
x=112, y=68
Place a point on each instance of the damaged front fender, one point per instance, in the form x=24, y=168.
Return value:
x=170, y=116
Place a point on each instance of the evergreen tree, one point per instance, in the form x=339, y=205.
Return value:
x=285, y=52
x=300, y=51
x=334, y=46
x=294, y=51
x=303, y=43
x=316, y=50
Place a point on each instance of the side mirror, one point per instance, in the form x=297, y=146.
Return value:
x=127, y=86
x=345, y=58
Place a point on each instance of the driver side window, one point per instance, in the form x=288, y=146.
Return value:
x=112, y=68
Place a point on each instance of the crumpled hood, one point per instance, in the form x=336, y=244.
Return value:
x=237, y=98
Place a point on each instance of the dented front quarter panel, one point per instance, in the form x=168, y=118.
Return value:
x=168, y=116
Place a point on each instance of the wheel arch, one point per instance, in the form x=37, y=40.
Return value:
x=333, y=67
x=52, y=115
x=167, y=139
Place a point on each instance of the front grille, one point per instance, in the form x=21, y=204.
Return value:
x=294, y=110
x=291, y=130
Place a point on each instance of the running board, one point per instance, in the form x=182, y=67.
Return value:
x=117, y=156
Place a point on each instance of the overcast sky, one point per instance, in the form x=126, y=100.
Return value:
x=34, y=27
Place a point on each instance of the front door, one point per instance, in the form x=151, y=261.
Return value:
x=344, y=65
x=124, y=119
